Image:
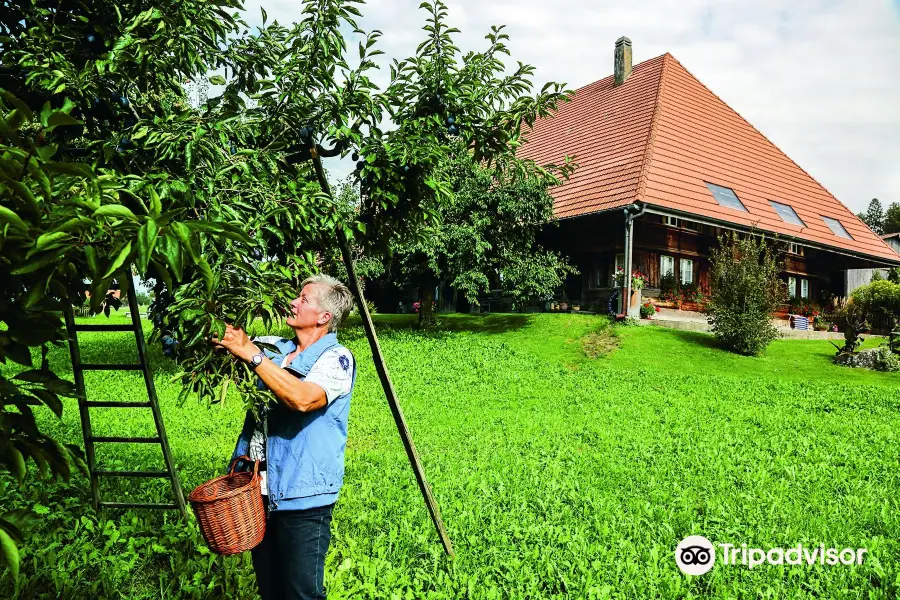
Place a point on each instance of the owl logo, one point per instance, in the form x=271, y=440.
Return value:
x=344, y=362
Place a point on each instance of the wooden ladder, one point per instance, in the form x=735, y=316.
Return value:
x=84, y=405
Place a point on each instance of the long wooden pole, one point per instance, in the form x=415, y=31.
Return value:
x=381, y=368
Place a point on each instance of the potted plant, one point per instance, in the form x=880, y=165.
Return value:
x=638, y=280
x=648, y=309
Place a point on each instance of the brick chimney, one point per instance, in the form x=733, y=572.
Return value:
x=622, y=61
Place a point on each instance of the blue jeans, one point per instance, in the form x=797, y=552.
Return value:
x=290, y=561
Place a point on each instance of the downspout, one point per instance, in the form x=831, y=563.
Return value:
x=632, y=212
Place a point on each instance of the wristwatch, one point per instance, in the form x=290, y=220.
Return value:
x=256, y=360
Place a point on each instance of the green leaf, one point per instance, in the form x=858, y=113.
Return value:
x=36, y=376
x=60, y=118
x=207, y=274
x=217, y=80
x=40, y=261
x=90, y=254
x=47, y=240
x=115, y=210
x=19, y=353
x=51, y=400
x=9, y=554
x=155, y=204
x=67, y=168
x=227, y=230
x=163, y=274
x=119, y=260
x=171, y=249
x=21, y=106
x=16, y=463
x=146, y=242
x=8, y=216
x=22, y=191
x=184, y=235
x=37, y=291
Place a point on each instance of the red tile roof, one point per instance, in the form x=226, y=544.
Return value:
x=662, y=134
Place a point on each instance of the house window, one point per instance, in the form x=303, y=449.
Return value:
x=670, y=221
x=836, y=228
x=787, y=214
x=690, y=225
x=795, y=248
x=596, y=278
x=804, y=288
x=726, y=197
x=666, y=266
x=620, y=264
x=686, y=268
x=792, y=287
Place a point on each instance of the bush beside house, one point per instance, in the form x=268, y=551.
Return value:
x=745, y=291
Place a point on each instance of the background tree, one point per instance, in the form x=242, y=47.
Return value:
x=745, y=291
x=874, y=216
x=892, y=219
x=485, y=237
x=457, y=101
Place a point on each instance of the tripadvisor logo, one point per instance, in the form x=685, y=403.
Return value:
x=696, y=555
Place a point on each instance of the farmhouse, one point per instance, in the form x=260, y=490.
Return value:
x=664, y=168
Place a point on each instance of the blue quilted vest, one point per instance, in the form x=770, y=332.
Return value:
x=304, y=451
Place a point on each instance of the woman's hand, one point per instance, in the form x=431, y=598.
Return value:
x=237, y=342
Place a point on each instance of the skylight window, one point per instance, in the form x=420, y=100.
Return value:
x=787, y=213
x=836, y=228
x=726, y=197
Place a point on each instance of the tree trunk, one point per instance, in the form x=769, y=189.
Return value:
x=426, y=298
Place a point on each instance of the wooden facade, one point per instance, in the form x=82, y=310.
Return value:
x=595, y=242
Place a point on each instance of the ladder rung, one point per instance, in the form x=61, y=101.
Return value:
x=108, y=404
x=110, y=367
x=135, y=505
x=104, y=328
x=132, y=473
x=136, y=440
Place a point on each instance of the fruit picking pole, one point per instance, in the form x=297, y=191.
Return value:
x=381, y=368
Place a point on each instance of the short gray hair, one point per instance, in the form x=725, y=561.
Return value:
x=336, y=299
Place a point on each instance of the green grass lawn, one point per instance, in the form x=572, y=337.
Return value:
x=558, y=476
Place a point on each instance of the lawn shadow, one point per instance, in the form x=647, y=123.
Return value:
x=389, y=325
x=701, y=338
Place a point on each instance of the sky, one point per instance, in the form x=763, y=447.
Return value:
x=821, y=79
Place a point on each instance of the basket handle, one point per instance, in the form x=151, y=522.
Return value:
x=247, y=458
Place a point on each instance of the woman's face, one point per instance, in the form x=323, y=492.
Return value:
x=305, y=312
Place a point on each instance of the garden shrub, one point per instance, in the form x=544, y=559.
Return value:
x=880, y=296
x=744, y=292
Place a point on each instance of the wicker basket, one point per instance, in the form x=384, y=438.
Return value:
x=230, y=511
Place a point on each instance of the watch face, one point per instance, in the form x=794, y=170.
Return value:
x=257, y=359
